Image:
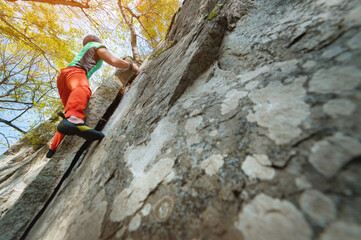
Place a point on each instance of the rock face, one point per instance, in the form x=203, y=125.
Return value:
x=246, y=127
x=29, y=179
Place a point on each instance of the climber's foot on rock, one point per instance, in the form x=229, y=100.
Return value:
x=81, y=129
x=50, y=153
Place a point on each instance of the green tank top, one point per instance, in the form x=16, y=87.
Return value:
x=88, y=59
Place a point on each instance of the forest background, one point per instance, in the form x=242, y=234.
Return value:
x=39, y=37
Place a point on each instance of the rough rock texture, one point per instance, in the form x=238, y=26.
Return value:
x=246, y=127
x=29, y=179
x=267, y=218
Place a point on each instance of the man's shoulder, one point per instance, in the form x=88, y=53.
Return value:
x=95, y=45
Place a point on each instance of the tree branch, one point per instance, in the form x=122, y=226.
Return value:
x=12, y=109
x=133, y=35
x=6, y=139
x=11, y=125
x=27, y=109
x=92, y=21
x=131, y=12
x=13, y=101
x=28, y=39
x=58, y=2
x=144, y=39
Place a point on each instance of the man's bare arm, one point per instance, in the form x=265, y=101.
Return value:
x=104, y=54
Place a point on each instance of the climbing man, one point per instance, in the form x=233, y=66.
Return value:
x=74, y=91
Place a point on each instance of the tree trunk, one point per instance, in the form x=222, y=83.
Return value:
x=133, y=35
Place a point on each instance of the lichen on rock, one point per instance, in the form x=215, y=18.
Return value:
x=258, y=167
x=335, y=79
x=328, y=156
x=318, y=207
x=247, y=127
x=339, y=107
x=274, y=219
x=341, y=230
x=212, y=164
x=131, y=199
x=281, y=109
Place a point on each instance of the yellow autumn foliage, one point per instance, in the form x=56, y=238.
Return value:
x=38, y=38
x=155, y=17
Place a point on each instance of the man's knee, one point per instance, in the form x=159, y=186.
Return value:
x=85, y=89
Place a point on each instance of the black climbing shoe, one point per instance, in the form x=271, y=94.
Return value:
x=82, y=130
x=50, y=153
x=61, y=114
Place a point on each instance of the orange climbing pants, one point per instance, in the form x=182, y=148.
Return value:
x=74, y=91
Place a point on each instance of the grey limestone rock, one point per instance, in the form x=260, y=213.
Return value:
x=246, y=127
x=33, y=177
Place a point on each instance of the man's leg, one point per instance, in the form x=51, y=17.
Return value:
x=57, y=140
x=74, y=91
x=80, y=93
x=64, y=94
x=54, y=145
